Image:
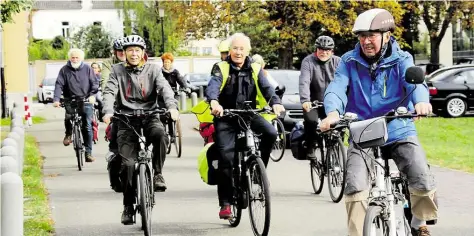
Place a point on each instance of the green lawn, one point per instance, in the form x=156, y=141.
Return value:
x=36, y=120
x=448, y=142
x=38, y=221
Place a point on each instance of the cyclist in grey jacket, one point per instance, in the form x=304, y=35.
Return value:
x=317, y=71
x=136, y=84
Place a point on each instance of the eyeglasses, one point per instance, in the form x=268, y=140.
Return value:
x=370, y=35
x=325, y=49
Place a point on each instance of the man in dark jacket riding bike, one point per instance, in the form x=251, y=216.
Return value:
x=136, y=84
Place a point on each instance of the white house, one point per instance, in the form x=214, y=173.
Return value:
x=52, y=18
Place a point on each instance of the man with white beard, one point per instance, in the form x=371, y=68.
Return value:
x=76, y=80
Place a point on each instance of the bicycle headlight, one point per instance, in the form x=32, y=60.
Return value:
x=142, y=153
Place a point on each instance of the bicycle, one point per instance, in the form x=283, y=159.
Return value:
x=280, y=143
x=143, y=174
x=332, y=163
x=250, y=182
x=174, y=136
x=76, y=122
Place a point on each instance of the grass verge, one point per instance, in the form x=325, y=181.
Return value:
x=36, y=120
x=38, y=221
x=448, y=142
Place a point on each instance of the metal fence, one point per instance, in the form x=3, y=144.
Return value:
x=11, y=169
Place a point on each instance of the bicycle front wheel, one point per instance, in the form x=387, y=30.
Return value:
x=280, y=144
x=259, y=197
x=146, y=199
x=316, y=166
x=374, y=222
x=77, y=143
x=336, y=170
x=178, y=137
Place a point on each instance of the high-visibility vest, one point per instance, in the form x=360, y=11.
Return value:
x=202, y=109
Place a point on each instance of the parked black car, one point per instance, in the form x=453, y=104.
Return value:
x=452, y=90
x=291, y=97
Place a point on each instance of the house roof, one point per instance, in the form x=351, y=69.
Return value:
x=71, y=4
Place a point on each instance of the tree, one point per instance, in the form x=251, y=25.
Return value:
x=94, y=40
x=8, y=8
x=437, y=16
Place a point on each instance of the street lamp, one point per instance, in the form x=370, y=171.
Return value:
x=161, y=12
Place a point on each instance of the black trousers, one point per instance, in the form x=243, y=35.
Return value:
x=225, y=135
x=128, y=147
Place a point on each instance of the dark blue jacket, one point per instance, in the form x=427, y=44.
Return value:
x=80, y=82
x=240, y=87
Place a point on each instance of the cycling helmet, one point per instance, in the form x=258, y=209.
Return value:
x=133, y=40
x=224, y=46
x=258, y=59
x=117, y=45
x=325, y=42
x=375, y=20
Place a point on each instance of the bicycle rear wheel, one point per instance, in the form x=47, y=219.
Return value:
x=178, y=137
x=170, y=136
x=259, y=194
x=145, y=199
x=236, y=215
x=336, y=170
x=280, y=144
x=77, y=143
x=374, y=222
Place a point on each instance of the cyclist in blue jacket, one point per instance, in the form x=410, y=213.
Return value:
x=370, y=81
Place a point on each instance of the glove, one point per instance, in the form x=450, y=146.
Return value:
x=174, y=114
x=92, y=99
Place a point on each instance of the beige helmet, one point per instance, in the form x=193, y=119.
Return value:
x=375, y=20
x=224, y=46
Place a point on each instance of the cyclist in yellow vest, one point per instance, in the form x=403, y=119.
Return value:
x=233, y=82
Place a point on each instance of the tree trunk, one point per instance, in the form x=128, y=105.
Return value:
x=435, y=42
x=285, y=56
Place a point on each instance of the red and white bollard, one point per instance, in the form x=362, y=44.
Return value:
x=28, y=119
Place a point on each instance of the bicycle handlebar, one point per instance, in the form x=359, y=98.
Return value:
x=140, y=113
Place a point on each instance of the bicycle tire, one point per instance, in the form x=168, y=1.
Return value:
x=168, y=148
x=374, y=212
x=178, y=138
x=77, y=143
x=281, y=140
x=317, y=164
x=145, y=199
x=258, y=164
x=339, y=148
x=236, y=215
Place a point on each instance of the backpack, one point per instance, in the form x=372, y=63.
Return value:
x=297, y=138
x=208, y=164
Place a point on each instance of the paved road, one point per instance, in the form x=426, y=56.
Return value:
x=83, y=204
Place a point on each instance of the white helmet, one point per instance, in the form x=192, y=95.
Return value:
x=375, y=20
x=133, y=40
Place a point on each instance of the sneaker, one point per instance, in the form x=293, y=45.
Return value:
x=127, y=215
x=89, y=158
x=160, y=185
x=225, y=212
x=422, y=231
x=67, y=140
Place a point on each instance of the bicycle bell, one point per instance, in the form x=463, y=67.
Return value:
x=402, y=111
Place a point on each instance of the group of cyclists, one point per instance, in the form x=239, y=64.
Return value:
x=368, y=81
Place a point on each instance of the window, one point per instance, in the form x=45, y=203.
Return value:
x=65, y=29
x=97, y=23
x=470, y=77
x=194, y=50
x=460, y=78
x=206, y=51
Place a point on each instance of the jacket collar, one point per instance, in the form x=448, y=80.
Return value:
x=395, y=56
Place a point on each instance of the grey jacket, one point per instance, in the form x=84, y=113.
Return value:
x=315, y=77
x=137, y=89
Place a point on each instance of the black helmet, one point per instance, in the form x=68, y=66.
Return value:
x=117, y=45
x=325, y=42
x=133, y=40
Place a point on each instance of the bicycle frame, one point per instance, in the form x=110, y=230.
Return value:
x=144, y=158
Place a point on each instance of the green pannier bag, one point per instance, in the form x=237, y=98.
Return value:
x=208, y=163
